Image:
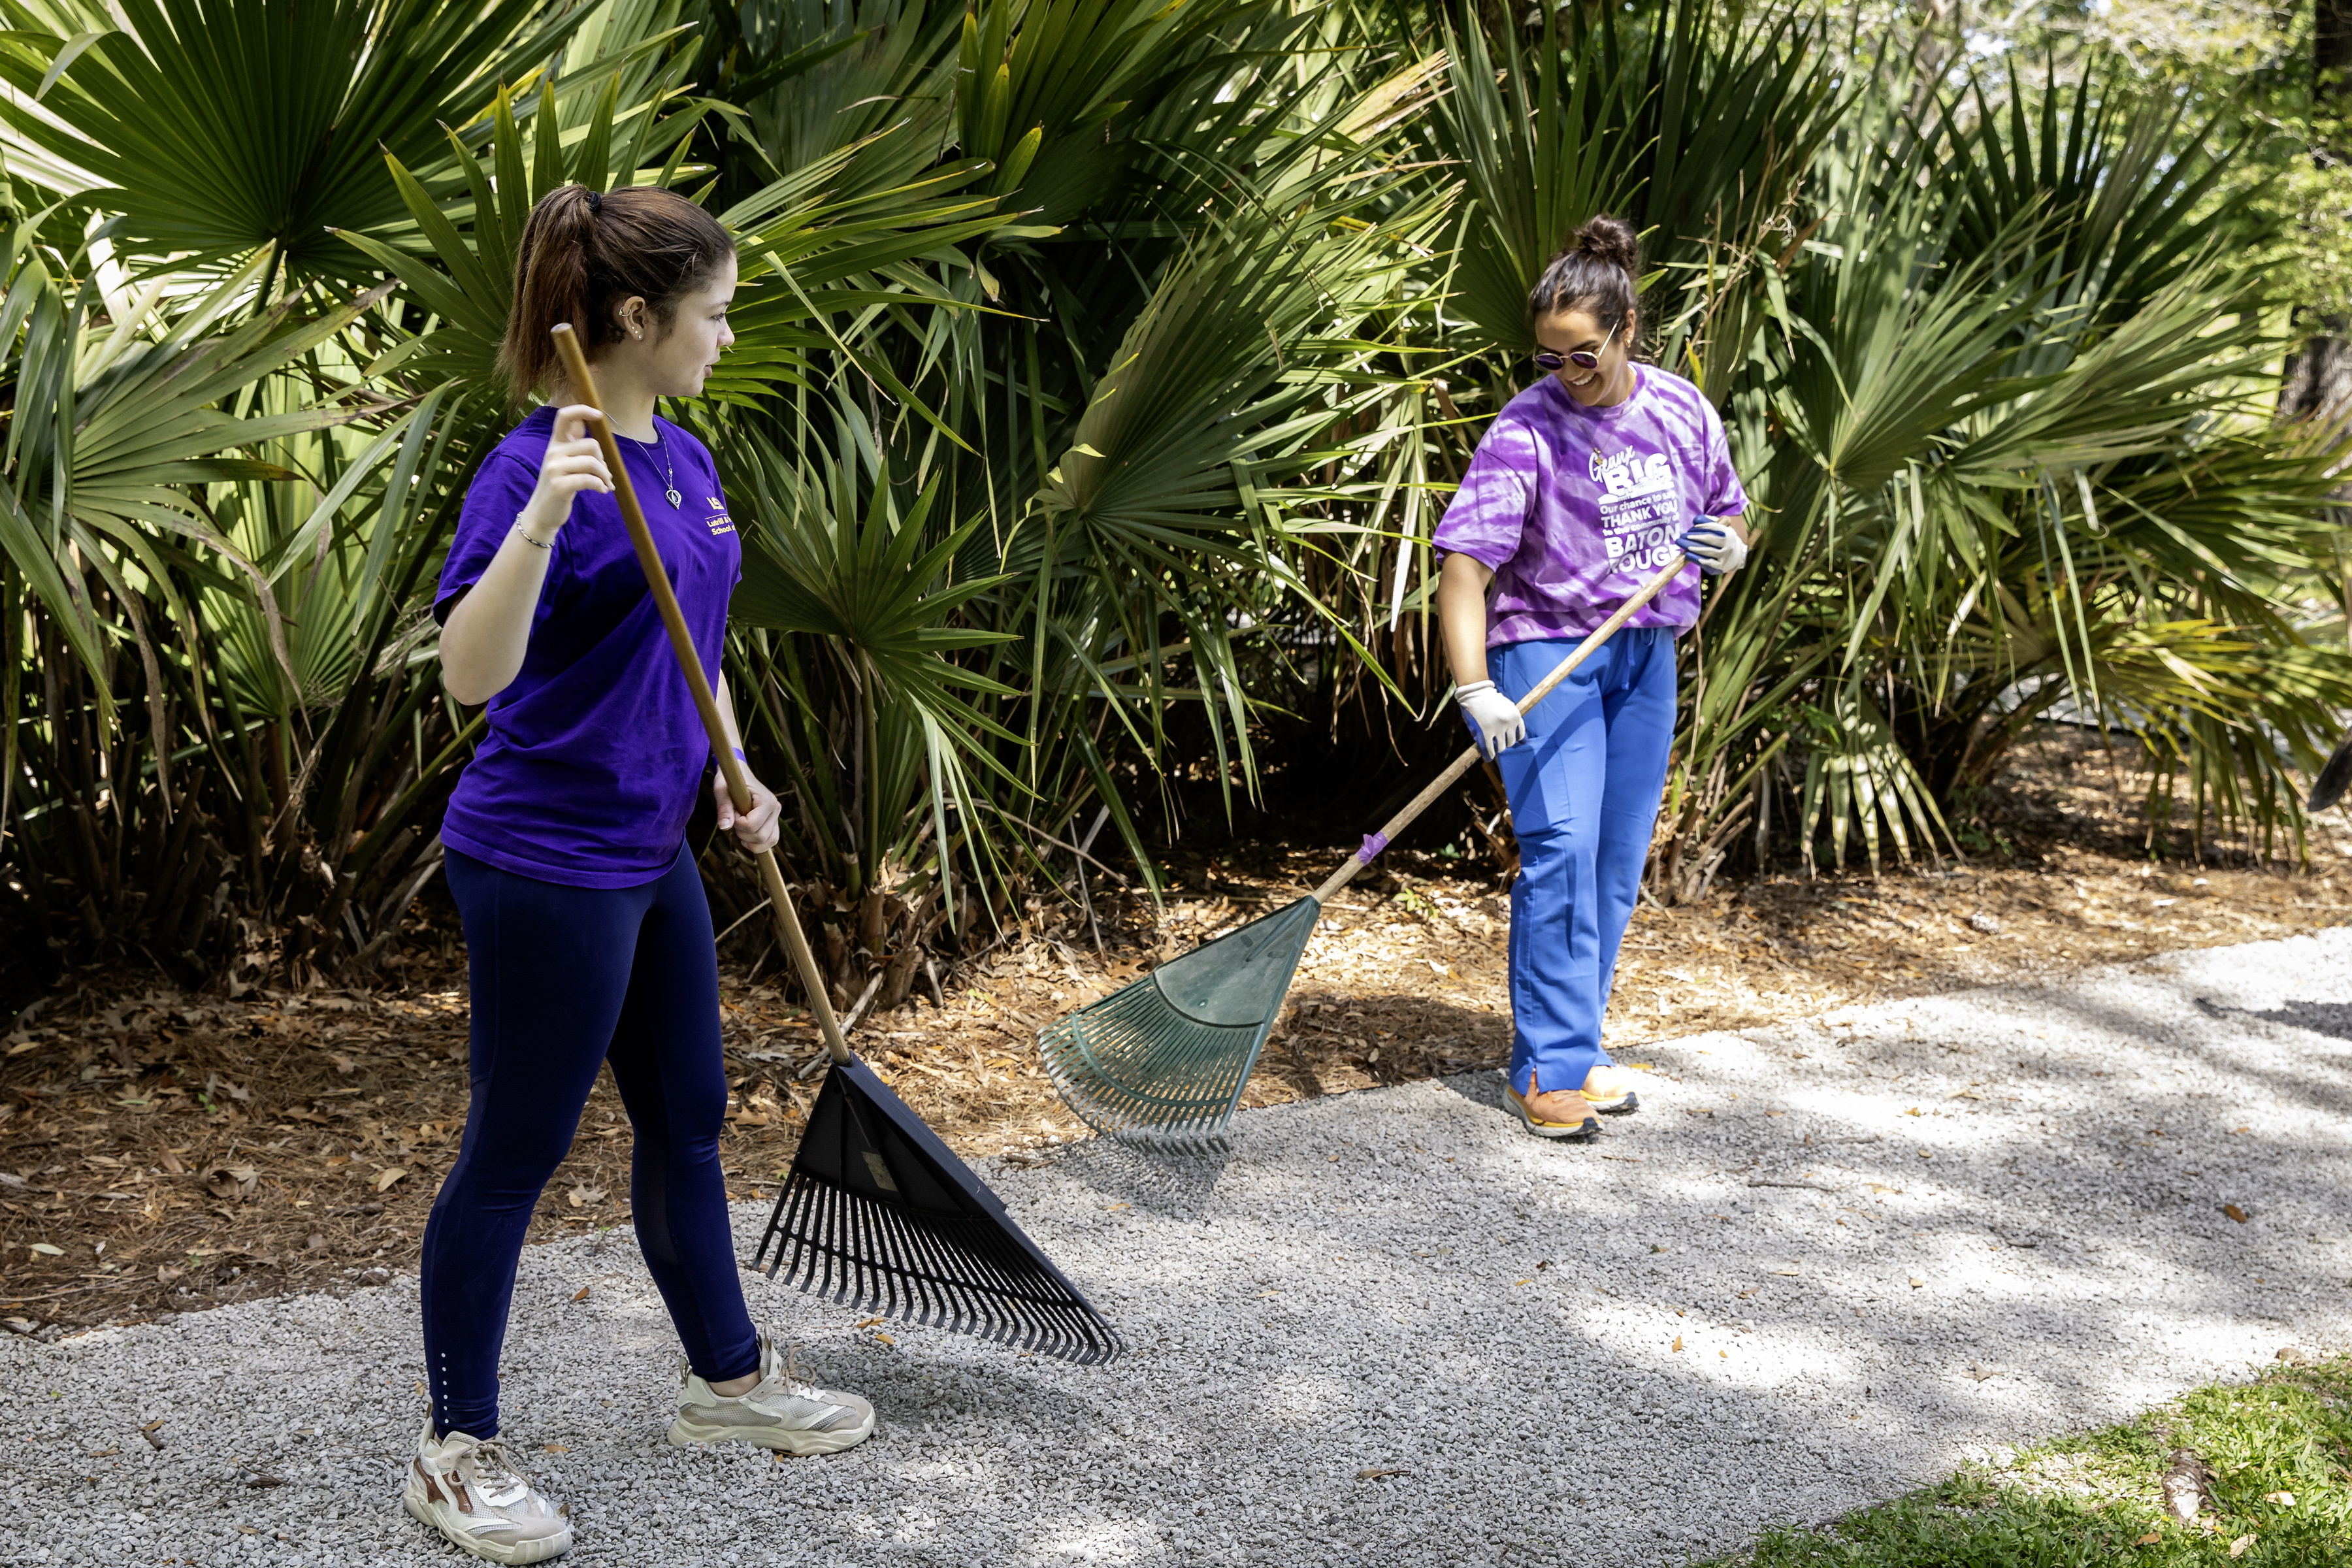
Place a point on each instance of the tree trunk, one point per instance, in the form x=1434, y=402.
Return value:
x=2318, y=383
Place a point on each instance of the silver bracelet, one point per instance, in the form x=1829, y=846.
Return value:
x=518, y=527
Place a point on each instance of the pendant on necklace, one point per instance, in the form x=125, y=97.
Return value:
x=672, y=494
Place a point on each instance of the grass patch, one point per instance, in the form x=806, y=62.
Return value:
x=2099, y=1497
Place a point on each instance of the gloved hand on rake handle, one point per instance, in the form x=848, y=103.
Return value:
x=1715, y=544
x=1494, y=717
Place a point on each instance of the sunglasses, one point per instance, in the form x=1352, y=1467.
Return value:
x=1582, y=359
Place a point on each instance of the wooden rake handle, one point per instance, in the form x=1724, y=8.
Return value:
x=681, y=642
x=1462, y=763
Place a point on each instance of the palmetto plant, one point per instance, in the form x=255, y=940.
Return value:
x=1102, y=369
x=2001, y=440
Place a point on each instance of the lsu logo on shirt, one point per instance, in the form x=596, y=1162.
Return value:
x=721, y=522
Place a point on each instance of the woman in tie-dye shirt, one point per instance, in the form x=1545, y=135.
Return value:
x=1582, y=488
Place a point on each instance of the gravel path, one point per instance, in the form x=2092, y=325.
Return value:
x=1392, y=1328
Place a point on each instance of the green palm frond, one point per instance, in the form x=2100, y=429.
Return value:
x=221, y=128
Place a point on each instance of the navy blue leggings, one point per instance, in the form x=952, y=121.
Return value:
x=565, y=979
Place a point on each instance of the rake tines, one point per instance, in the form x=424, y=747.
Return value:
x=878, y=1215
x=1161, y=1063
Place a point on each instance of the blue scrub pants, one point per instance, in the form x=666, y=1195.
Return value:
x=565, y=979
x=1584, y=788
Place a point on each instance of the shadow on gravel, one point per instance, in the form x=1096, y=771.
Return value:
x=1174, y=1186
x=2333, y=1019
x=1482, y=1087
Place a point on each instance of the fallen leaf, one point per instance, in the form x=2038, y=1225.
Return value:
x=385, y=1178
x=2240, y=1546
x=581, y=1294
x=230, y=1181
x=1678, y=1344
x=2184, y=1485
x=868, y=1322
x=2150, y=1539
x=1371, y=1475
x=1913, y=1112
x=2284, y=1500
x=45, y=1250
x=172, y=1163
x=883, y=1338
x=1918, y=1283
x=2235, y=1213
x=553, y=1448
x=584, y=1195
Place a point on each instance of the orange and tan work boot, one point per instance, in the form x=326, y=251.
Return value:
x=1561, y=1113
x=1608, y=1089
x=469, y=1491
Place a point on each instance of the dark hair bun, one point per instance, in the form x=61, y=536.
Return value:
x=1595, y=271
x=1609, y=239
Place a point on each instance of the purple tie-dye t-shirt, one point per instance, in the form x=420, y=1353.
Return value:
x=1573, y=508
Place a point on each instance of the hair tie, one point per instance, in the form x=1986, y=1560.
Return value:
x=595, y=200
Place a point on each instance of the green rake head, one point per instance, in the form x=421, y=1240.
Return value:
x=1160, y=1065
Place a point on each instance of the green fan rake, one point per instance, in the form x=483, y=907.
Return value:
x=1160, y=1065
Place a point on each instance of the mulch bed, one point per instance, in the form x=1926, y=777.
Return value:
x=162, y=1151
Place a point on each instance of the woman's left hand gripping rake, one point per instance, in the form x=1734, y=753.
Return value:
x=1160, y=1064
x=877, y=1212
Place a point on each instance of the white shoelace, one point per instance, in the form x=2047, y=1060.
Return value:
x=496, y=1477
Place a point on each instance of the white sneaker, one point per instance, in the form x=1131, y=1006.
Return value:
x=778, y=1412
x=470, y=1491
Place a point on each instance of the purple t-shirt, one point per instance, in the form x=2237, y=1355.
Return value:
x=595, y=755
x=1572, y=507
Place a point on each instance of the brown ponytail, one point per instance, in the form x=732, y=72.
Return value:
x=1595, y=272
x=585, y=252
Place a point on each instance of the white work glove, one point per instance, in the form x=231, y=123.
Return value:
x=1494, y=717
x=1715, y=545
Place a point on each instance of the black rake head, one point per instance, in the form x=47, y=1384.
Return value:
x=878, y=1214
x=2329, y=786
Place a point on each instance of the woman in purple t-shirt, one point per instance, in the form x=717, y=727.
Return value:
x=588, y=937
x=1580, y=489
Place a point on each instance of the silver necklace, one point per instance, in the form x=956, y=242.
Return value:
x=669, y=479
